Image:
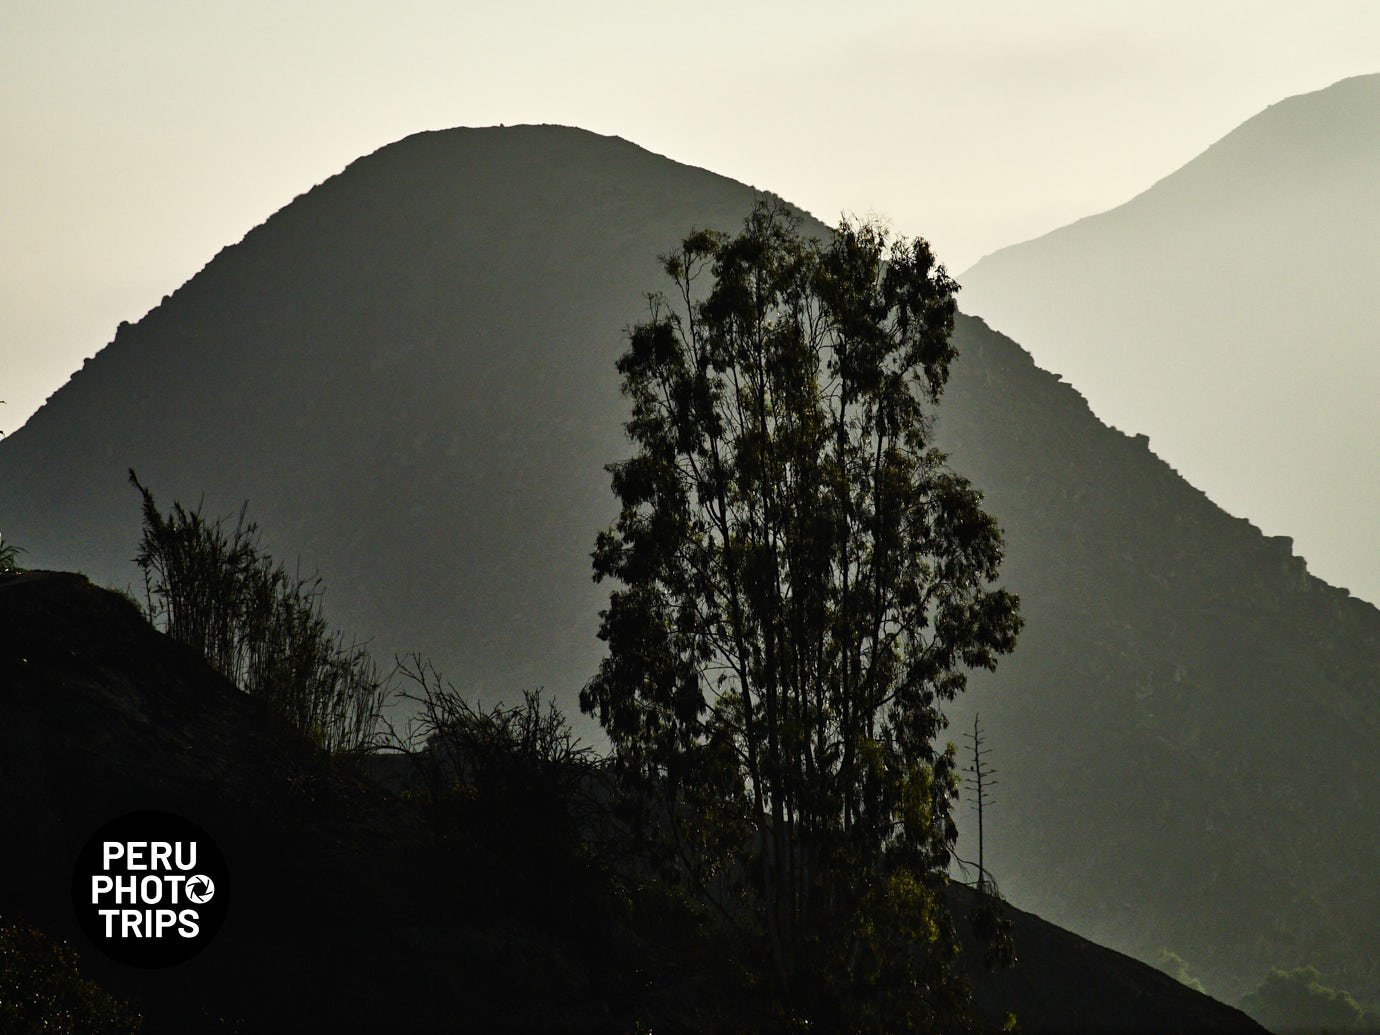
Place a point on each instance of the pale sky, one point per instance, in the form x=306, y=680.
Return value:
x=139, y=138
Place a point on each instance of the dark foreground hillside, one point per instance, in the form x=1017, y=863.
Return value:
x=342, y=920
x=409, y=373
x=338, y=922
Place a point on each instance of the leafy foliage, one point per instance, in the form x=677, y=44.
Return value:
x=530, y=827
x=511, y=781
x=803, y=583
x=41, y=989
x=213, y=588
x=994, y=929
x=1296, y=1001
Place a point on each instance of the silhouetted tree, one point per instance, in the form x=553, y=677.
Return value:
x=803, y=583
x=988, y=916
x=981, y=780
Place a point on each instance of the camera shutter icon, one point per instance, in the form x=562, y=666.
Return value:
x=200, y=889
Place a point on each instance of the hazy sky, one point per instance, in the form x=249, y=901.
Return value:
x=141, y=137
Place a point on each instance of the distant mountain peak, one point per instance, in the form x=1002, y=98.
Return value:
x=1228, y=311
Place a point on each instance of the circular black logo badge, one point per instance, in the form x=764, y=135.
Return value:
x=150, y=889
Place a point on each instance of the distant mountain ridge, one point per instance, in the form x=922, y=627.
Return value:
x=1229, y=311
x=409, y=373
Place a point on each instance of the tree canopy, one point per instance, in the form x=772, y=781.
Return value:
x=801, y=584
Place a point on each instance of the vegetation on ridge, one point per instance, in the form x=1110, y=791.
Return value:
x=214, y=589
x=9, y=553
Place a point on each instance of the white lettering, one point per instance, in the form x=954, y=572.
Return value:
x=189, y=928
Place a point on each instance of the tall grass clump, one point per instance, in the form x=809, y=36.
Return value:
x=209, y=585
x=9, y=553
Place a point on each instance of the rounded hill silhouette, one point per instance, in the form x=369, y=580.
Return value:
x=408, y=373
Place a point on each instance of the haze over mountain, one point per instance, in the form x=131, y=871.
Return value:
x=408, y=372
x=1229, y=312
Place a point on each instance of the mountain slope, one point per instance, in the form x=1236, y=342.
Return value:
x=100, y=715
x=1229, y=312
x=1189, y=723
x=409, y=373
